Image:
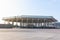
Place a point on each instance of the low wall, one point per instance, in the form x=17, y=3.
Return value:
x=6, y=25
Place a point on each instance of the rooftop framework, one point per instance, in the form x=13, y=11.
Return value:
x=37, y=21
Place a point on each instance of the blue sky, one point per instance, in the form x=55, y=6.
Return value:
x=30, y=7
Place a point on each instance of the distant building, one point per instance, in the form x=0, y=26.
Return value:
x=30, y=21
x=56, y=24
x=6, y=25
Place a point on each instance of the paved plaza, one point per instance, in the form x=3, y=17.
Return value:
x=29, y=34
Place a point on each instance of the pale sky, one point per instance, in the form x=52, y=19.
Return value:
x=29, y=7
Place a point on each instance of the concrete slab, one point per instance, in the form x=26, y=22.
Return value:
x=29, y=34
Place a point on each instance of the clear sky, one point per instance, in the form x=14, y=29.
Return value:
x=30, y=7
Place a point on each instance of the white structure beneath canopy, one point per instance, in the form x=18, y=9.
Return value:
x=31, y=20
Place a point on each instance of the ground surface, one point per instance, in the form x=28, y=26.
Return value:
x=29, y=34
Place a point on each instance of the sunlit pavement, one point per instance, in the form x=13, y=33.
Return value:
x=29, y=34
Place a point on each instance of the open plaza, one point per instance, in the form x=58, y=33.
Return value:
x=29, y=34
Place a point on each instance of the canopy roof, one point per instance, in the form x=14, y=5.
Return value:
x=30, y=17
